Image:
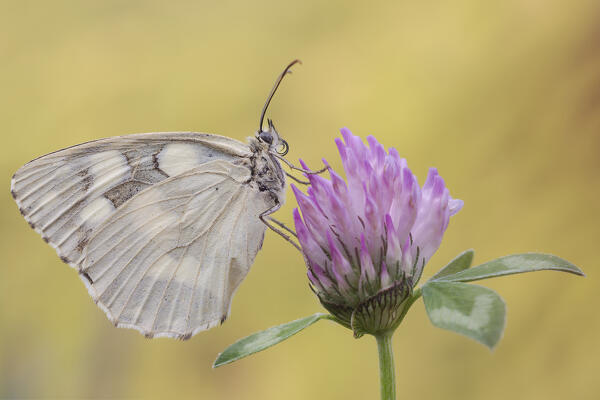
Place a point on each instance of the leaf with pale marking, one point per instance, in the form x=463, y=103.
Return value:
x=513, y=264
x=461, y=262
x=263, y=340
x=471, y=310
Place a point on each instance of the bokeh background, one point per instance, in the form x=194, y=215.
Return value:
x=503, y=97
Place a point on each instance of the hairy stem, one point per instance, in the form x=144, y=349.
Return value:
x=387, y=377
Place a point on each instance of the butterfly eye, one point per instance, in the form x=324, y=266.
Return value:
x=266, y=137
x=284, y=148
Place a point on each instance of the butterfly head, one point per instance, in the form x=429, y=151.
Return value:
x=269, y=138
x=272, y=140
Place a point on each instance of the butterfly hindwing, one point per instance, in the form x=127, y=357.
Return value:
x=168, y=262
x=162, y=227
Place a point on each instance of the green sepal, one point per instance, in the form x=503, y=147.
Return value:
x=513, y=264
x=264, y=339
x=381, y=312
x=471, y=310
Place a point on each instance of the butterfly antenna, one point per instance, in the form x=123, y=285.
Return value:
x=277, y=82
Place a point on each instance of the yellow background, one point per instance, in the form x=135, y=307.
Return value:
x=503, y=97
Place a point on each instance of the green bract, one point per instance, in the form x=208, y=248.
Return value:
x=471, y=310
x=265, y=339
x=474, y=311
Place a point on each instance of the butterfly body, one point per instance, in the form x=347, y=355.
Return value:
x=162, y=227
x=267, y=174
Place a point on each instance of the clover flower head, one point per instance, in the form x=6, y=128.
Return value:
x=366, y=240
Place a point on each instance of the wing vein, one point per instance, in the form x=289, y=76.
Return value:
x=108, y=251
x=132, y=211
x=146, y=271
x=135, y=255
x=226, y=280
x=188, y=318
x=49, y=188
x=156, y=202
x=162, y=296
x=27, y=173
x=87, y=194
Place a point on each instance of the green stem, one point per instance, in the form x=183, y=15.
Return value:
x=387, y=377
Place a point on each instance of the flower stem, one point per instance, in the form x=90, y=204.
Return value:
x=387, y=377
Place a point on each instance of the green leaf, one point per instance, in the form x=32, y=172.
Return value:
x=263, y=340
x=471, y=310
x=461, y=262
x=514, y=264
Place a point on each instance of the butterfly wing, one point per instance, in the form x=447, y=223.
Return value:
x=168, y=261
x=164, y=258
x=65, y=195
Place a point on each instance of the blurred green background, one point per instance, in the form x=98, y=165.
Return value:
x=503, y=97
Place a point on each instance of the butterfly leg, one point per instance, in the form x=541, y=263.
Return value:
x=297, y=180
x=306, y=171
x=265, y=219
x=281, y=224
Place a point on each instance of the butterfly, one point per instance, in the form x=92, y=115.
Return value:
x=162, y=227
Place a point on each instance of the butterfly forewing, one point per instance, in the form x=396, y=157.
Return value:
x=66, y=194
x=162, y=227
